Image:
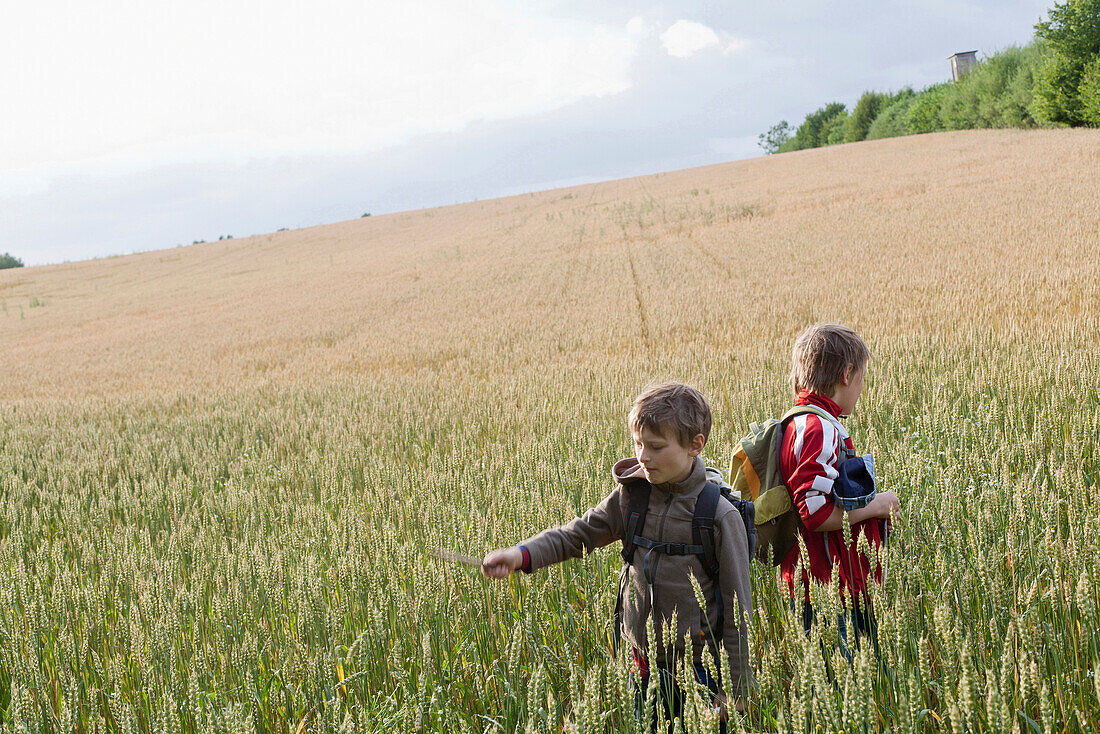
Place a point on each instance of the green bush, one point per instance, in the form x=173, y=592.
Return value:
x=923, y=116
x=959, y=103
x=1056, y=99
x=833, y=130
x=812, y=132
x=8, y=260
x=998, y=93
x=890, y=122
x=787, y=146
x=867, y=109
x=1018, y=103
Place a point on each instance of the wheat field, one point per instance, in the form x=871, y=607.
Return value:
x=225, y=468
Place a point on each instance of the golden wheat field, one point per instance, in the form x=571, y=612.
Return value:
x=225, y=468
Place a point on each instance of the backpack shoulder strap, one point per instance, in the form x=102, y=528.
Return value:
x=844, y=452
x=637, y=505
x=635, y=517
x=702, y=527
x=702, y=524
x=804, y=409
x=819, y=412
x=702, y=531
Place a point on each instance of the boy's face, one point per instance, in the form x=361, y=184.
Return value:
x=849, y=389
x=663, y=458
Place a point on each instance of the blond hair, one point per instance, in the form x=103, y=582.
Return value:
x=671, y=408
x=821, y=355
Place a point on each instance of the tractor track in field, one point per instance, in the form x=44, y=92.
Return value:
x=710, y=255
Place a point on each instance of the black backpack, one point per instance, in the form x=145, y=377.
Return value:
x=702, y=535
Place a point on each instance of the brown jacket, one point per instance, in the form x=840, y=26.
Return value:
x=671, y=507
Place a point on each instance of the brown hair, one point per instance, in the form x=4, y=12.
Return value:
x=821, y=354
x=671, y=408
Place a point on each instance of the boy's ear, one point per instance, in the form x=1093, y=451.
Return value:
x=697, y=444
x=846, y=378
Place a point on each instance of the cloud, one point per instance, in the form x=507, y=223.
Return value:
x=642, y=26
x=686, y=38
x=126, y=83
x=732, y=45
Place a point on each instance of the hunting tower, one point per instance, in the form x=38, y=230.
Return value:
x=961, y=63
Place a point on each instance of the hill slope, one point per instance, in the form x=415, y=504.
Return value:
x=990, y=228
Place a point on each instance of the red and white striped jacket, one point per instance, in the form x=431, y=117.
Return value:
x=808, y=464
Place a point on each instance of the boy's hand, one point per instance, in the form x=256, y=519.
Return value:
x=721, y=708
x=885, y=505
x=500, y=563
x=888, y=506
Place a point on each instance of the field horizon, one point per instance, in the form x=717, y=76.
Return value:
x=226, y=467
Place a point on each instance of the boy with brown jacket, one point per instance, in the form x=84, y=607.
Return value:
x=670, y=424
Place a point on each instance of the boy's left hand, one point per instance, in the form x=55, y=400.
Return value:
x=888, y=508
x=723, y=711
x=500, y=563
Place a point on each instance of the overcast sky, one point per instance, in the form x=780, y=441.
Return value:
x=138, y=125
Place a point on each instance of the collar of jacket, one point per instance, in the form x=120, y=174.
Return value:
x=629, y=470
x=805, y=397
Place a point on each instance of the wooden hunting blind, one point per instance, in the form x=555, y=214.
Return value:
x=961, y=63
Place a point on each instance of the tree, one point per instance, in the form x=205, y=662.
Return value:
x=832, y=132
x=1072, y=29
x=771, y=140
x=867, y=109
x=8, y=260
x=998, y=93
x=1090, y=94
x=923, y=115
x=1072, y=34
x=813, y=131
x=891, y=118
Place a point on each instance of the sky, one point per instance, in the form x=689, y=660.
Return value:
x=129, y=125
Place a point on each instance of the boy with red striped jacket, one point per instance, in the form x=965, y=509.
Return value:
x=829, y=363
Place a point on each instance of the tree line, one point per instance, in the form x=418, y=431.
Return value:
x=1054, y=81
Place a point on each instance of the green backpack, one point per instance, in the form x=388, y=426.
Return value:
x=754, y=473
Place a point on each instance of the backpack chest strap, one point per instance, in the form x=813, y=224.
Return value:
x=669, y=549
